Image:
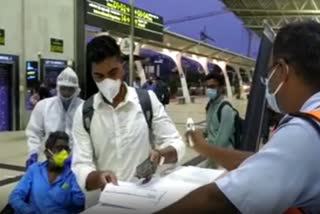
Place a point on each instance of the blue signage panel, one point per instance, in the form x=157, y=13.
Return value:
x=5, y=94
x=32, y=74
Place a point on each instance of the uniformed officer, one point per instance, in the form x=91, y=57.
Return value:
x=285, y=173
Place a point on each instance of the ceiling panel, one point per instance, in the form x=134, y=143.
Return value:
x=276, y=12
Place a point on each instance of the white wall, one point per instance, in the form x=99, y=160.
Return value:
x=29, y=25
x=10, y=21
x=45, y=19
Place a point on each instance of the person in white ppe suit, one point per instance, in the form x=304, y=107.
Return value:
x=53, y=114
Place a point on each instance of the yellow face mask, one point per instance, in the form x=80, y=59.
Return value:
x=60, y=157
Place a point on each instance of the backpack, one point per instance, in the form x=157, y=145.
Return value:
x=162, y=92
x=238, y=124
x=148, y=86
x=144, y=99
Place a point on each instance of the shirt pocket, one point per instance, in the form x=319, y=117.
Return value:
x=134, y=130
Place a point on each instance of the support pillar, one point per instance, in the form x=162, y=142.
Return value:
x=237, y=69
x=140, y=70
x=184, y=85
x=204, y=63
x=223, y=67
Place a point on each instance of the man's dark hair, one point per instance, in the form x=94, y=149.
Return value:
x=138, y=78
x=54, y=137
x=43, y=92
x=102, y=47
x=218, y=77
x=299, y=45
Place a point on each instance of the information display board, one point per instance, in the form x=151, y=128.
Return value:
x=56, y=45
x=115, y=16
x=2, y=37
x=50, y=70
x=9, y=89
x=31, y=73
x=5, y=97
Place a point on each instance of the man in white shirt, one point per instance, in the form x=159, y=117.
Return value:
x=119, y=137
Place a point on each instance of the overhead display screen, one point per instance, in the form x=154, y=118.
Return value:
x=56, y=45
x=2, y=37
x=31, y=72
x=115, y=16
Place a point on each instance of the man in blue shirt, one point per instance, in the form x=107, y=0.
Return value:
x=285, y=173
x=49, y=187
x=150, y=84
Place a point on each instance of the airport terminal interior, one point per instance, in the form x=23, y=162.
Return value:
x=39, y=39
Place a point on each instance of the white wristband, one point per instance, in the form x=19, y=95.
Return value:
x=161, y=162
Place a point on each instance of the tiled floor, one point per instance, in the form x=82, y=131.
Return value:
x=14, y=150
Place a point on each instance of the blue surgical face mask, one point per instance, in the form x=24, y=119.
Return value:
x=212, y=93
x=271, y=97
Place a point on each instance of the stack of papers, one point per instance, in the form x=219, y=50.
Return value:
x=159, y=193
x=131, y=196
x=195, y=175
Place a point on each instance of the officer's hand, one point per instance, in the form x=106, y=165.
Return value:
x=197, y=138
x=107, y=177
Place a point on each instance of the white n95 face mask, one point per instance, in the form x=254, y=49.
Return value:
x=109, y=88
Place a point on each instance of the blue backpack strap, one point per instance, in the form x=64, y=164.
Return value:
x=219, y=111
x=146, y=105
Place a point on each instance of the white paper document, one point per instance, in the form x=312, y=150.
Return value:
x=159, y=192
x=132, y=196
x=195, y=175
